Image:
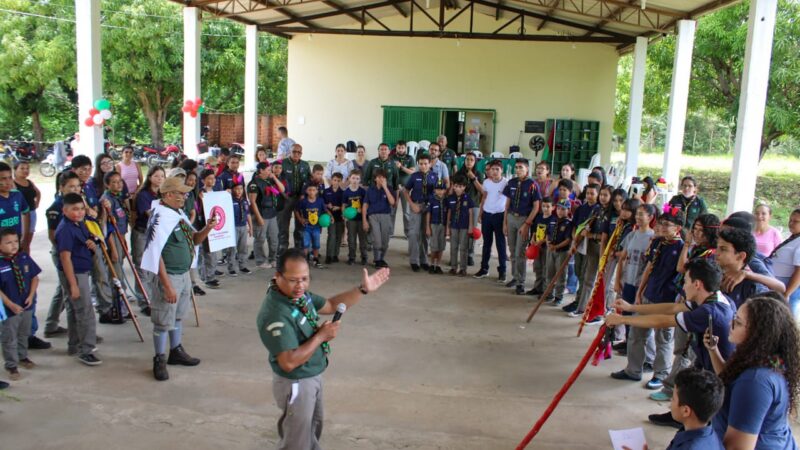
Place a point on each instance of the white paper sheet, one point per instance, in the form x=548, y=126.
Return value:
x=632, y=438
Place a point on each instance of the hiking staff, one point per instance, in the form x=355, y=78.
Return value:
x=598, y=292
x=113, y=221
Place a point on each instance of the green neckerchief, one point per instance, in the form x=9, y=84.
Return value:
x=306, y=307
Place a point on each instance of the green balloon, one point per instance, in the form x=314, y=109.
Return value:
x=350, y=213
x=324, y=221
x=102, y=104
x=201, y=109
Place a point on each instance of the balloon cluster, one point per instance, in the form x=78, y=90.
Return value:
x=99, y=114
x=194, y=107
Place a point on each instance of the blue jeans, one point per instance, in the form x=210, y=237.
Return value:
x=311, y=234
x=492, y=227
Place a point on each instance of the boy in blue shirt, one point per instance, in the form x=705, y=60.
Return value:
x=376, y=216
x=581, y=215
x=522, y=205
x=559, y=239
x=19, y=278
x=308, y=211
x=435, y=222
x=75, y=251
x=244, y=228
x=735, y=249
x=418, y=189
x=353, y=197
x=333, y=201
x=698, y=396
x=543, y=221
x=459, y=224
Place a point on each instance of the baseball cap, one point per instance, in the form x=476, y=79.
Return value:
x=172, y=184
x=176, y=172
x=440, y=184
x=564, y=203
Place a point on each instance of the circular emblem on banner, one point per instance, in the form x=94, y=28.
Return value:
x=220, y=215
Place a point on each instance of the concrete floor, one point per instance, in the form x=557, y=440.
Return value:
x=429, y=362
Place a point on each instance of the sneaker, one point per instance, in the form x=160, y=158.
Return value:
x=557, y=301
x=470, y=261
x=4, y=385
x=27, y=363
x=622, y=375
x=519, y=290
x=425, y=266
x=350, y=261
x=481, y=274
x=252, y=256
x=654, y=384
x=266, y=265
x=647, y=367
x=462, y=273
x=90, y=360
x=178, y=356
x=146, y=310
x=595, y=321
x=233, y=273
x=318, y=264
x=219, y=273
x=511, y=283
x=213, y=284
x=575, y=313
x=198, y=291
x=438, y=270
x=664, y=420
x=55, y=333
x=13, y=374
x=34, y=343
x=363, y=261
x=245, y=271
x=222, y=262
x=570, y=308
x=415, y=267
x=621, y=345
x=660, y=396
x=501, y=278
x=534, y=292
x=452, y=271
x=160, y=368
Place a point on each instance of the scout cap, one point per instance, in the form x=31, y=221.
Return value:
x=172, y=184
x=564, y=203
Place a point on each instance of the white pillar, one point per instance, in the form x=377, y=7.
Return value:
x=635, y=108
x=191, y=77
x=90, y=82
x=752, y=103
x=251, y=96
x=678, y=98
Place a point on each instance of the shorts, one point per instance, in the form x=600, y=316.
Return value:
x=311, y=234
x=163, y=314
x=438, y=240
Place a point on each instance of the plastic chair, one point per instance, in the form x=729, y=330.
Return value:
x=412, y=147
x=478, y=154
x=425, y=144
x=497, y=155
x=516, y=155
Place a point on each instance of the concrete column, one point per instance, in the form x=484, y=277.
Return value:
x=251, y=96
x=90, y=80
x=752, y=103
x=191, y=77
x=635, y=108
x=678, y=99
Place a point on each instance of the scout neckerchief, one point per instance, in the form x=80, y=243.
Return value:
x=518, y=194
x=663, y=242
x=17, y=271
x=305, y=306
x=442, y=220
x=295, y=175
x=187, y=231
x=457, y=214
x=685, y=204
x=118, y=198
x=424, y=185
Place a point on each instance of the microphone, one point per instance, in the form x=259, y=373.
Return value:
x=340, y=309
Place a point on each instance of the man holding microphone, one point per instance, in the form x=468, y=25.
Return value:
x=298, y=344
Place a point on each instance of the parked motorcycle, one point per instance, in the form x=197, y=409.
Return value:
x=161, y=156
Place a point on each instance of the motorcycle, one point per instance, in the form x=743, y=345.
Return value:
x=161, y=156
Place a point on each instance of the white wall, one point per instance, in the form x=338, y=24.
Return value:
x=337, y=85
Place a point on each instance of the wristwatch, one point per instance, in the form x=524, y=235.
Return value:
x=362, y=290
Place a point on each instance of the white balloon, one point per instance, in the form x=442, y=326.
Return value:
x=105, y=114
x=97, y=119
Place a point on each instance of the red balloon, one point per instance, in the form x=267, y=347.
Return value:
x=93, y=111
x=193, y=114
x=187, y=104
x=186, y=109
x=198, y=102
x=88, y=122
x=532, y=252
x=476, y=233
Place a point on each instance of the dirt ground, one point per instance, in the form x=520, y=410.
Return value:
x=428, y=362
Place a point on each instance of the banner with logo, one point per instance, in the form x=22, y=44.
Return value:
x=220, y=205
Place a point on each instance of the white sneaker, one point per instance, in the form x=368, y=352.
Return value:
x=266, y=265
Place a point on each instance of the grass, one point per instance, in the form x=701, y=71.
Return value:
x=776, y=184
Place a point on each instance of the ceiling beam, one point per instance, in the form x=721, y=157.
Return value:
x=611, y=15
x=344, y=10
x=339, y=7
x=549, y=14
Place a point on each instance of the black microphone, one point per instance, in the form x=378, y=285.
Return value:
x=340, y=309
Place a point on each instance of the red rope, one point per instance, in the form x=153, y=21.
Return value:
x=570, y=381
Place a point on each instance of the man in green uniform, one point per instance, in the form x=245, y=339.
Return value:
x=447, y=155
x=171, y=288
x=383, y=161
x=298, y=344
x=405, y=167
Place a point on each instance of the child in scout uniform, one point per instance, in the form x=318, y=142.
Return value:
x=353, y=197
x=244, y=228
x=207, y=260
x=459, y=224
x=544, y=221
x=435, y=223
x=582, y=215
x=230, y=176
x=333, y=202
x=75, y=246
x=68, y=182
x=19, y=278
x=116, y=202
x=522, y=205
x=376, y=216
x=265, y=193
x=559, y=239
x=168, y=255
x=308, y=211
x=418, y=188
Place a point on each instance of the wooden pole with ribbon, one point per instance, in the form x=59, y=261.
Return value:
x=600, y=280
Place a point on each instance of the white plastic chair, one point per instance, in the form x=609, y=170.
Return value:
x=412, y=147
x=515, y=155
x=497, y=155
x=425, y=144
x=478, y=154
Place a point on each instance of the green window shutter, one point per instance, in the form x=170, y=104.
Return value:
x=410, y=124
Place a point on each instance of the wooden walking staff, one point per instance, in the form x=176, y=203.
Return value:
x=600, y=280
x=194, y=305
x=94, y=228
x=113, y=221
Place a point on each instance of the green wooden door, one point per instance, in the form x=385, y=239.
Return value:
x=410, y=124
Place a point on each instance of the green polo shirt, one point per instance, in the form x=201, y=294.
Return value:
x=283, y=327
x=176, y=254
x=406, y=161
x=388, y=166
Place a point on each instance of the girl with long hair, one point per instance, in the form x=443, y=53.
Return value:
x=147, y=192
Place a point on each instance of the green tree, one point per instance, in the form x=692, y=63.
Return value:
x=38, y=58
